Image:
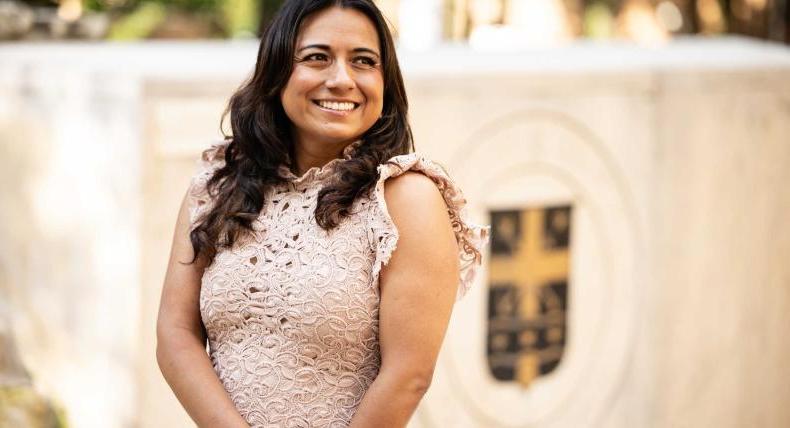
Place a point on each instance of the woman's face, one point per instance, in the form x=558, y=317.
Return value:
x=336, y=90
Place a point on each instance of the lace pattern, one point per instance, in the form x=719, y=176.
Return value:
x=199, y=201
x=291, y=312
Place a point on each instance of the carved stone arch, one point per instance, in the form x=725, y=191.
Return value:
x=534, y=156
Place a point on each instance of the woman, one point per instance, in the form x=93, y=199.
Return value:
x=284, y=256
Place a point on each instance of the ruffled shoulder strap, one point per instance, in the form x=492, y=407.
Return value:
x=211, y=159
x=471, y=238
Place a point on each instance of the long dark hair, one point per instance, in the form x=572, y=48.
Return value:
x=261, y=138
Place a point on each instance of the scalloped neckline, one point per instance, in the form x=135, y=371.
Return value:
x=320, y=173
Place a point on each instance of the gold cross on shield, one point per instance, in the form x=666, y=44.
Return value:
x=528, y=279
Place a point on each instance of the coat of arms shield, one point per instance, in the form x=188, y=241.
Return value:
x=528, y=292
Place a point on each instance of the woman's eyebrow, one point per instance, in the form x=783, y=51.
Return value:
x=316, y=46
x=327, y=48
x=371, y=51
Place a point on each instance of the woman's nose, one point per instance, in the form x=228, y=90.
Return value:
x=340, y=77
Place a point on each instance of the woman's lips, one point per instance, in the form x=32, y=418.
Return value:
x=335, y=112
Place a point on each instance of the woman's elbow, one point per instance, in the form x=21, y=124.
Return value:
x=420, y=384
x=413, y=381
x=164, y=353
x=171, y=342
x=163, y=340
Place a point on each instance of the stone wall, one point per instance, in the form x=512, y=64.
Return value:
x=674, y=160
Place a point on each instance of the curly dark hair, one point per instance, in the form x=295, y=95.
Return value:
x=261, y=139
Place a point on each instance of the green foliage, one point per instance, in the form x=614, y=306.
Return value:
x=241, y=17
x=94, y=5
x=109, y=5
x=40, y=2
x=138, y=19
x=193, y=5
x=140, y=23
x=598, y=21
x=23, y=406
x=129, y=5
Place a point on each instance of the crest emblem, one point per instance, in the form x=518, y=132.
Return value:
x=528, y=292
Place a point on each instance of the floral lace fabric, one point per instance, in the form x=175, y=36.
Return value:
x=291, y=312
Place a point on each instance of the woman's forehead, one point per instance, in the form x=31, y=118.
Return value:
x=338, y=29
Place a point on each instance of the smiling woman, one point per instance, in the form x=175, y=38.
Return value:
x=336, y=89
x=284, y=255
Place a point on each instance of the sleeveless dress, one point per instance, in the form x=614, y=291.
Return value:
x=291, y=313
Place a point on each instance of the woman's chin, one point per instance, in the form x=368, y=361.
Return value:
x=338, y=136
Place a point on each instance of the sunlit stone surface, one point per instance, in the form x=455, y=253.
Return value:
x=675, y=159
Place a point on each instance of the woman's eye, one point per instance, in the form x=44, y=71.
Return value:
x=315, y=57
x=366, y=61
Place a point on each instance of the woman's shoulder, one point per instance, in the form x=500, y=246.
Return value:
x=418, y=173
x=412, y=180
x=398, y=164
x=210, y=160
x=213, y=156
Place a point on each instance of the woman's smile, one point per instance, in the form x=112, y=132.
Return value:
x=337, y=108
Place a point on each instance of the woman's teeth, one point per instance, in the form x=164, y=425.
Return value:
x=336, y=106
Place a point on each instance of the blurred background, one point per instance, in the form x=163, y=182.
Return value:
x=474, y=21
x=632, y=157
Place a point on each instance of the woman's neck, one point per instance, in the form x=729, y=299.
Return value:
x=307, y=157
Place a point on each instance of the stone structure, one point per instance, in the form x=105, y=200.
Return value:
x=673, y=159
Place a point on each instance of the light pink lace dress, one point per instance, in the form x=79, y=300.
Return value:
x=292, y=314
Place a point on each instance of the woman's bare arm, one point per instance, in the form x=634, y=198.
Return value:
x=418, y=288
x=181, y=341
